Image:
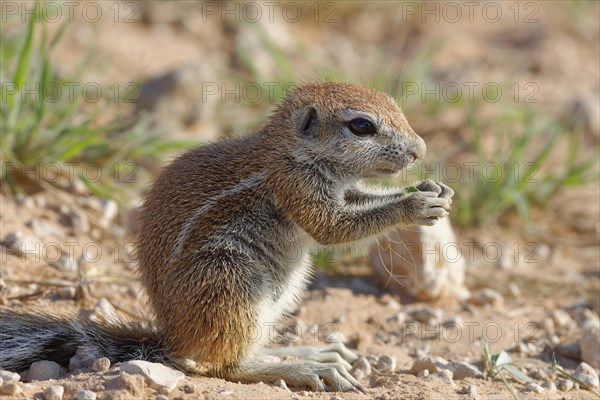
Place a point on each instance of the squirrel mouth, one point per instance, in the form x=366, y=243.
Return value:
x=387, y=171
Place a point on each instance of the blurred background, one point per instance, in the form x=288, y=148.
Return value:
x=98, y=96
x=490, y=81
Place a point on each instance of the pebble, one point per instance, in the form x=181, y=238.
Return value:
x=85, y=395
x=569, y=350
x=162, y=397
x=43, y=229
x=109, y=212
x=225, y=392
x=158, y=375
x=586, y=374
x=590, y=344
x=76, y=186
x=564, y=385
x=75, y=363
x=487, y=296
x=423, y=374
x=22, y=244
x=10, y=384
x=101, y=364
x=361, y=368
x=8, y=377
x=427, y=315
x=534, y=387
x=549, y=386
x=281, y=383
x=24, y=200
x=471, y=389
x=562, y=319
x=387, y=300
x=463, y=369
x=433, y=364
x=386, y=363
x=43, y=370
x=39, y=201
x=55, y=392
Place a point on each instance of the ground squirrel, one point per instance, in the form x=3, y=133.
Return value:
x=226, y=230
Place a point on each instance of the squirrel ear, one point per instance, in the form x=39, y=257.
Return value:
x=309, y=117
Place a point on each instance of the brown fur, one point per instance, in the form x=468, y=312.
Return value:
x=205, y=301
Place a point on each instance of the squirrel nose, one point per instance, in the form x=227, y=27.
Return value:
x=418, y=149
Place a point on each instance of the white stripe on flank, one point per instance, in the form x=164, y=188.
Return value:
x=254, y=180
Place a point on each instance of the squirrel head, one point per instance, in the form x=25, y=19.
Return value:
x=355, y=131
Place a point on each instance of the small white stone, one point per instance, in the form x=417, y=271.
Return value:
x=433, y=364
x=22, y=244
x=549, y=386
x=423, y=373
x=43, y=370
x=534, y=387
x=361, y=368
x=565, y=385
x=462, y=370
x=225, y=392
x=586, y=374
x=159, y=376
x=110, y=210
x=590, y=344
x=101, y=364
x=9, y=377
x=55, y=392
x=386, y=363
x=43, y=229
x=85, y=395
x=562, y=319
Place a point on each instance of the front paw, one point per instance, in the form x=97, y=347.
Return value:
x=443, y=191
x=425, y=208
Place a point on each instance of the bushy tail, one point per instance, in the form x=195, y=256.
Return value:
x=27, y=336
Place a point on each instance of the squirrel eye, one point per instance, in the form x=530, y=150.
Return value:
x=362, y=127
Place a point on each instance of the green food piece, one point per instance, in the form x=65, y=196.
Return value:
x=412, y=189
